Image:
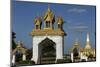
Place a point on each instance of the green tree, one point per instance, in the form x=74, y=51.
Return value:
x=13, y=41
x=29, y=54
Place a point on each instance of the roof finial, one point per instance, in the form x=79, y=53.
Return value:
x=48, y=7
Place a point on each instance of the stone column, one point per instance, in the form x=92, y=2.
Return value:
x=81, y=56
x=72, y=58
x=24, y=57
x=35, y=50
x=13, y=59
x=59, y=48
x=86, y=58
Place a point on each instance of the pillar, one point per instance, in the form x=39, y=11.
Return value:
x=59, y=47
x=81, y=55
x=13, y=59
x=24, y=57
x=35, y=51
x=86, y=58
x=72, y=58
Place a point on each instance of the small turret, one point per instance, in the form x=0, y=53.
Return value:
x=37, y=22
x=59, y=22
x=48, y=19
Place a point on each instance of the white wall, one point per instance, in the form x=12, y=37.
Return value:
x=59, y=46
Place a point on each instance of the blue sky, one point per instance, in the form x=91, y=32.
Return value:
x=77, y=19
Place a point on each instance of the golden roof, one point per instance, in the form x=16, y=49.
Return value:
x=86, y=50
x=20, y=48
x=49, y=14
x=37, y=20
x=59, y=20
x=47, y=32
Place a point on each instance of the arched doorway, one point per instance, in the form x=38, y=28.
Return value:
x=18, y=57
x=75, y=52
x=47, y=51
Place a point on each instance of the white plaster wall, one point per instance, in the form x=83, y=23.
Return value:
x=59, y=46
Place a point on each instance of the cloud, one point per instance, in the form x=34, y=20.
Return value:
x=77, y=10
x=78, y=28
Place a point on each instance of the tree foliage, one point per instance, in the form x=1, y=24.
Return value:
x=13, y=41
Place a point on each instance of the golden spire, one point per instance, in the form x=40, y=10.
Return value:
x=48, y=14
x=49, y=8
x=87, y=46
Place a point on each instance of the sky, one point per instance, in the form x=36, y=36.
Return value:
x=78, y=20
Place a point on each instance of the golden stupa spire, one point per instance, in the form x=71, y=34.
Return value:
x=87, y=46
x=49, y=7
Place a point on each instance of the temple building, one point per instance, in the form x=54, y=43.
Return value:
x=19, y=52
x=88, y=50
x=77, y=52
x=47, y=40
x=76, y=45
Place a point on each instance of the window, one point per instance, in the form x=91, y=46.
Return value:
x=59, y=26
x=37, y=26
x=47, y=24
